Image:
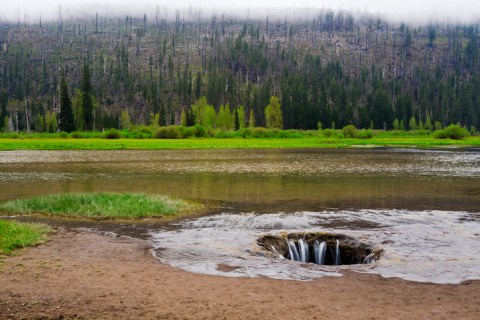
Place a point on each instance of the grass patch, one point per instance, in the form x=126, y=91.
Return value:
x=101, y=206
x=15, y=235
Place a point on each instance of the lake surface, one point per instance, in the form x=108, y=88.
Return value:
x=422, y=203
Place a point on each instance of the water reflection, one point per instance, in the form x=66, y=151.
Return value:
x=258, y=180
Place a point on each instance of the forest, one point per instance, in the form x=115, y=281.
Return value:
x=332, y=70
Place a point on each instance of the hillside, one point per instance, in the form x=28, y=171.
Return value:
x=336, y=68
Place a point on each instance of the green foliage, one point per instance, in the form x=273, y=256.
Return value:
x=438, y=125
x=125, y=121
x=15, y=235
x=428, y=124
x=364, y=134
x=328, y=133
x=63, y=135
x=225, y=119
x=112, y=134
x=200, y=131
x=6, y=124
x=169, y=132
x=251, y=119
x=77, y=135
x=274, y=114
x=51, y=122
x=100, y=205
x=412, y=124
x=241, y=117
x=453, y=131
x=87, y=101
x=188, y=132
x=349, y=131
x=396, y=124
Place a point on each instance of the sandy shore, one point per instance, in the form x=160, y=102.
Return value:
x=82, y=274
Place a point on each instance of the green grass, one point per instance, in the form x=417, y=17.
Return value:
x=101, y=206
x=380, y=138
x=15, y=235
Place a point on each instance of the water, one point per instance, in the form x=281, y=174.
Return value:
x=423, y=246
x=421, y=206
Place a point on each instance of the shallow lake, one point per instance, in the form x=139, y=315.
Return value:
x=422, y=206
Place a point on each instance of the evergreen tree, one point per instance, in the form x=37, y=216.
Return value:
x=66, y=120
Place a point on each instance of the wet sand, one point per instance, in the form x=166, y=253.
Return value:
x=83, y=274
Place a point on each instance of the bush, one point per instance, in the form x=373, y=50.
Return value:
x=328, y=133
x=170, y=132
x=289, y=134
x=419, y=132
x=245, y=132
x=453, y=131
x=63, y=135
x=349, y=131
x=188, y=132
x=260, y=132
x=77, y=135
x=364, y=134
x=200, y=131
x=112, y=134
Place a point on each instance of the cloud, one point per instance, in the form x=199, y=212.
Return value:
x=407, y=10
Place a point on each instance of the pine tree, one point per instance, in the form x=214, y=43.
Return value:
x=67, y=122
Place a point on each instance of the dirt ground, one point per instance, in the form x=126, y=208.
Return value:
x=82, y=274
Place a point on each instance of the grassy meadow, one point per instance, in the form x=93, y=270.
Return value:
x=256, y=138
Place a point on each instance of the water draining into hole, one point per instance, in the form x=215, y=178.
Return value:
x=320, y=248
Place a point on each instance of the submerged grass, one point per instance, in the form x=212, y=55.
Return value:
x=15, y=235
x=101, y=205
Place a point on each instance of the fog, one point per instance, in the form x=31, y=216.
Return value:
x=31, y=11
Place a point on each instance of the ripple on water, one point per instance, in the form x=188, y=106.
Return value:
x=424, y=246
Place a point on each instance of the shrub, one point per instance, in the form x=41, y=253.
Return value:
x=245, y=132
x=364, y=134
x=200, y=131
x=112, y=134
x=170, y=132
x=76, y=135
x=63, y=135
x=328, y=133
x=188, y=132
x=349, y=131
x=260, y=132
x=453, y=131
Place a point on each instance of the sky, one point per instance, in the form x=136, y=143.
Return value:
x=406, y=10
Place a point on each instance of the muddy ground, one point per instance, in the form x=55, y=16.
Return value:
x=87, y=275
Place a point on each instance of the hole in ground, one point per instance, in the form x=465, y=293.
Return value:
x=320, y=248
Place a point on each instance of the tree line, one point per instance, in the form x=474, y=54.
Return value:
x=334, y=69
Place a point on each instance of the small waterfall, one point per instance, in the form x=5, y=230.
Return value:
x=320, y=250
x=303, y=251
x=369, y=259
x=292, y=250
x=337, y=253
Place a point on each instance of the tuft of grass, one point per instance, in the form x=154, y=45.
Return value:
x=101, y=205
x=15, y=235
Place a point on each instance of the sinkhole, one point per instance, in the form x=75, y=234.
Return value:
x=320, y=248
